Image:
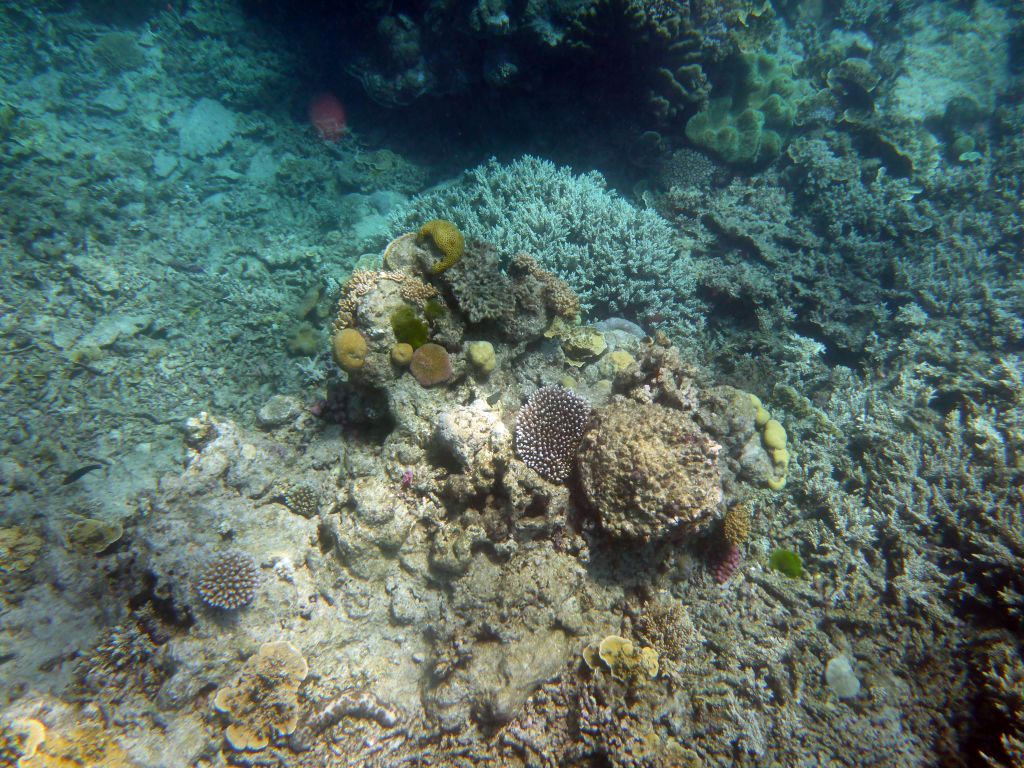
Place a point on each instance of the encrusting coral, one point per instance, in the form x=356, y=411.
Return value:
x=262, y=703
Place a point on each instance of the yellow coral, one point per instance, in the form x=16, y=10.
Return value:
x=736, y=525
x=447, y=238
x=774, y=435
x=481, y=356
x=623, y=659
x=349, y=347
x=401, y=354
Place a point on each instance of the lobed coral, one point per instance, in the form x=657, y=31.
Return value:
x=263, y=703
x=623, y=659
x=750, y=123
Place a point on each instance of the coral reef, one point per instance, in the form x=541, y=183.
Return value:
x=618, y=259
x=175, y=234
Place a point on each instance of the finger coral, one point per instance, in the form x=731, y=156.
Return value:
x=229, y=581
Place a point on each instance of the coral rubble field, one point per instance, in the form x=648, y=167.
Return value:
x=621, y=383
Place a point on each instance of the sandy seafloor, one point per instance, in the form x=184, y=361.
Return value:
x=175, y=238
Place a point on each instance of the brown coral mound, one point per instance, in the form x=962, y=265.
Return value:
x=648, y=470
x=431, y=365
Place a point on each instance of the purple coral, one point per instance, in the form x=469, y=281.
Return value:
x=549, y=429
x=727, y=564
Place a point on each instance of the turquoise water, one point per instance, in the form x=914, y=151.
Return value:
x=590, y=383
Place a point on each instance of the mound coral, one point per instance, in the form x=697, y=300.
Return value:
x=401, y=354
x=229, y=581
x=549, y=429
x=648, y=470
x=448, y=240
x=349, y=347
x=481, y=356
x=431, y=365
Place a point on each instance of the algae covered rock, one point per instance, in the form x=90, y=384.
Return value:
x=648, y=471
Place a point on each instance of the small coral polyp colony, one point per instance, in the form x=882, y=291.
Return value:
x=600, y=419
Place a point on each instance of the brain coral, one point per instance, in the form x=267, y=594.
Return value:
x=549, y=429
x=447, y=238
x=648, y=470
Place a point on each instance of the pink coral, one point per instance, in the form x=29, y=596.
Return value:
x=728, y=563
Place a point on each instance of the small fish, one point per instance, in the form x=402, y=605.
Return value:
x=80, y=473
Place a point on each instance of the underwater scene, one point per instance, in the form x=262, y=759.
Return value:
x=514, y=383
